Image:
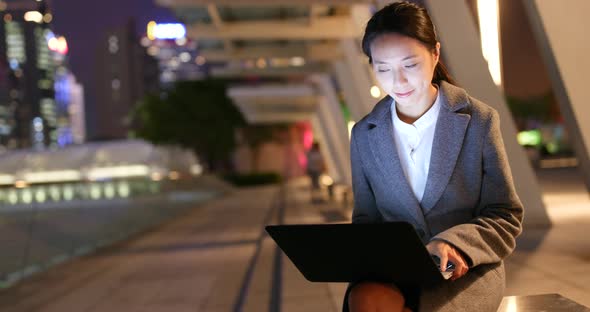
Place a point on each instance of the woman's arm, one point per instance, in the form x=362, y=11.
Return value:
x=491, y=235
x=365, y=207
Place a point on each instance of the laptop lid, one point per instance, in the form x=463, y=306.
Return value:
x=386, y=252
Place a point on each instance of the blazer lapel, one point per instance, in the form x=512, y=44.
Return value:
x=382, y=144
x=448, y=140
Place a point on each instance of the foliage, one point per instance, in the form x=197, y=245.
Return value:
x=542, y=108
x=196, y=115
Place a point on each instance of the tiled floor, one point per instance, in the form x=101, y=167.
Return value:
x=558, y=260
x=217, y=258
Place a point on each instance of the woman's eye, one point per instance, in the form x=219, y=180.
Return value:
x=383, y=70
x=411, y=66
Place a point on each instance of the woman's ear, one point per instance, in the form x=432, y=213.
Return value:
x=436, y=52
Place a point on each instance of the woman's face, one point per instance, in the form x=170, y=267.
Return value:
x=404, y=68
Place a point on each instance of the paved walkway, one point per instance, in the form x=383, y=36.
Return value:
x=217, y=258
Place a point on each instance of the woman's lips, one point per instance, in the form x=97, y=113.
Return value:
x=403, y=95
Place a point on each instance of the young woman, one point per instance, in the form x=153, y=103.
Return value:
x=433, y=156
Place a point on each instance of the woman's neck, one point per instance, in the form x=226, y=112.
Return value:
x=410, y=114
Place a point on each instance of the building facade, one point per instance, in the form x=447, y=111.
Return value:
x=125, y=73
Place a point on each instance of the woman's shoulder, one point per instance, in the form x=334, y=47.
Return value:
x=375, y=116
x=481, y=112
x=478, y=110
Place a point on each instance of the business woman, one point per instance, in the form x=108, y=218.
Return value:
x=431, y=155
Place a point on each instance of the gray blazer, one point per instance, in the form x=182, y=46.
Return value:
x=469, y=200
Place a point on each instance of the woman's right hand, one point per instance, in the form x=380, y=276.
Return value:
x=447, y=253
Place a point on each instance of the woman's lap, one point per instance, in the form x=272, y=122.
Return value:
x=411, y=296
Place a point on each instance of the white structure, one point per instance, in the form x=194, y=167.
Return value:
x=317, y=41
x=95, y=162
x=561, y=32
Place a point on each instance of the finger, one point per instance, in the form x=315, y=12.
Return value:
x=444, y=258
x=463, y=267
x=458, y=260
x=460, y=266
x=463, y=270
x=458, y=273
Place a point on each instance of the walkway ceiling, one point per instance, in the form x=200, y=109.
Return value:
x=283, y=39
x=275, y=103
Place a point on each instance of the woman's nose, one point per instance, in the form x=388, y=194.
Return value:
x=399, y=78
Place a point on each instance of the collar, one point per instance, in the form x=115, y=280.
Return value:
x=450, y=97
x=422, y=123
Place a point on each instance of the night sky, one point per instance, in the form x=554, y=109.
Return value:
x=84, y=22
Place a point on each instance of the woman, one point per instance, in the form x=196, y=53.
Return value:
x=433, y=156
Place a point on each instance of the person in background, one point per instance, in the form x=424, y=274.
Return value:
x=315, y=168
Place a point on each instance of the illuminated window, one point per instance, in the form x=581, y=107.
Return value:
x=116, y=84
x=113, y=44
x=15, y=43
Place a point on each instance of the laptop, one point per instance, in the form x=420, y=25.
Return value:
x=345, y=252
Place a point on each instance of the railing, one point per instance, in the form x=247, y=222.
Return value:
x=42, y=225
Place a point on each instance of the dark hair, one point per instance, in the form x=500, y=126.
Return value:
x=408, y=19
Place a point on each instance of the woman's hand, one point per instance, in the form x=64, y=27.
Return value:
x=446, y=253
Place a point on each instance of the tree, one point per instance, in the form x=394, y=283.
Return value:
x=196, y=115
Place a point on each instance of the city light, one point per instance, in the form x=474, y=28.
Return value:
x=58, y=44
x=247, y=63
x=297, y=61
x=196, y=169
x=68, y=192
x=95, y=192
x=153, y=50
x=529, y=138
x=326, y=180
x=165, y=31
x=490, y=39
x=52, y=176
x=150, y=30
x=6, y=179
x=40, y=196
x=123, y=189
x=375, y=92
x=34, y=16
x=156, y=176
x=173, y=175
x=181, y=41
x=200, y=60
x=118, y=172
x=261, y=63
x=185, y=57
x=109, y=190
x=54, y=193
x=280, y=62
x=145, y=42
x=12, y=197
x=20, y=184
x=27, y=196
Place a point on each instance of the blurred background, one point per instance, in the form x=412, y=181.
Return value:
x=181, y=127
x=77, y=73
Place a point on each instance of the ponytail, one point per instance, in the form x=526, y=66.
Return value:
x=441, y=73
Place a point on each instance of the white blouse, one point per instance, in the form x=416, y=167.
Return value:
x=414, y=145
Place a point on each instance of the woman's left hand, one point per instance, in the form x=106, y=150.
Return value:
x=446, y=253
